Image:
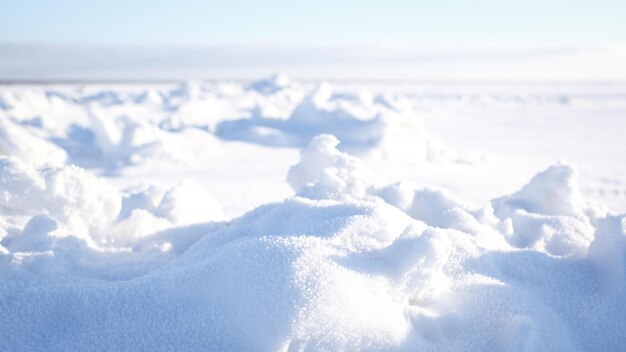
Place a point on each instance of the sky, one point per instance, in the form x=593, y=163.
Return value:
x=197, y=22
x=109, y=38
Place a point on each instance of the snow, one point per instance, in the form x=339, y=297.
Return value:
x=278, y=215
x=551, y=213
x=18, y=141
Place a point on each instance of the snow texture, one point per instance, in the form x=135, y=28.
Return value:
x=347, y=261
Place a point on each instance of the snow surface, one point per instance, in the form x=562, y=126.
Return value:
x=277, y=215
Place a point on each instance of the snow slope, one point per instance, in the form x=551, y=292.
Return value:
x=225, y=216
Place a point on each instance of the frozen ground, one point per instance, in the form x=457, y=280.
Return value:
x=280, y=215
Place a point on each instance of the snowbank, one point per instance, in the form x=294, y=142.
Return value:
x=348, y=263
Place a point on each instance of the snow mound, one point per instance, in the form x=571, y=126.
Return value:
x=18, y=141
x=554, y=191
x=83, y=205
x=550, y=213
x=383, y=126
x=124, y=140
x=349, y=263
x=326, y=173
x=70, y=195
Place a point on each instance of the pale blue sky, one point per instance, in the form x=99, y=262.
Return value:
x=195, y=22
x=386, y=39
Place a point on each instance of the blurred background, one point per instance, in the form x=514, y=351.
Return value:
x=142, y=40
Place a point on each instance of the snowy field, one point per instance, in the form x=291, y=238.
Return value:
x=279, y=215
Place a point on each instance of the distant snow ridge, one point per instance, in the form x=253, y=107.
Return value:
x=383, y=125
x=111, y=127
x=272, y=85
x=348, y=263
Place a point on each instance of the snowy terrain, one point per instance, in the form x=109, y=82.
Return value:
x=282, y=215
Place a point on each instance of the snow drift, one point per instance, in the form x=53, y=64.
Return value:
x=348, y=263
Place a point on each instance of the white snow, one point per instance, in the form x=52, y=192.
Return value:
x=278, y=215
